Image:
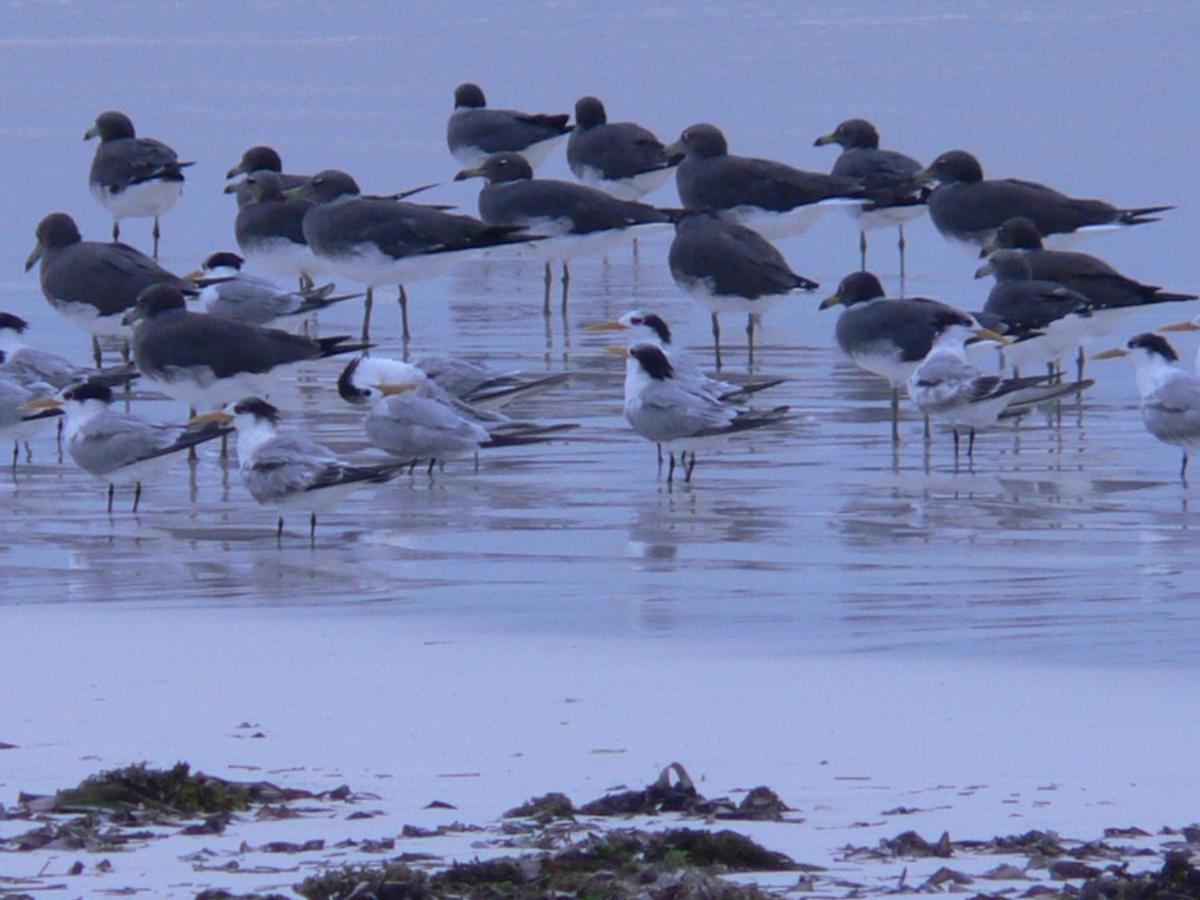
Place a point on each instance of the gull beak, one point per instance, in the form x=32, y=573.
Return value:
x=984, y=270
x=236, y=170
x=217, y=415
x=476, y=172
x=825, y=139
x=389, y=390
x=233, y=188
x=989, y=247
x=831, y=300
x=616, y=350
x=132, y=316
x=675, y=149
x=1111, y=354
x=1180, y=326
x=604, y=326
x=42, y=403
x=91, y=133
x=299, y=192
x=33, y=257
x=923, y=176
x=988, y=335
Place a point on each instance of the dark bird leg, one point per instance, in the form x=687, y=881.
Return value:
x=1079, y=365
x=671, y=467
x=96, y=355
x=16, y=451
x=659, y=447
x=750, y=321
x=367, y=304
x=716, y=332
x=157, y=234
x=635, y=250
x=225, y=446
x=192, y=455
x=954, y=431
x=111, y=489
x=902, y=244
x=432, y=463
x=691, y=465
x=971, y=444
x=312, y=527
x=1183, y=468
x=137, y=494
x=58, y=435
x=404, y=314
x=547, y=280
x=125, y=354
x=895, y=415
x=279, y=530
x=566, y=280
x=28, y=453
x=116, y=231
x=862, y=250
x=928, y=429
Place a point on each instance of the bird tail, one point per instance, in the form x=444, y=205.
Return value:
x=1160, y=296
x=502, y=389
x=1141, y=215
x=190, y=437
x=556, y=120
x=322, y=297
x=333, y=346
x=758, y=418
x=1024, y=399
x=517, y=433
x=805, y=284
x=745, y=391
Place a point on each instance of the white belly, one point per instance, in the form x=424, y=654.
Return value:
x=150, y=198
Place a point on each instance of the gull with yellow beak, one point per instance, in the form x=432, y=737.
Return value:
x=291, y=471
x=1170, y=395
x=115, y=447
x=411, y=417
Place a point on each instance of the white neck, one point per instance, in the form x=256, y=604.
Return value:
x=252, y=434
x=10, y=341
x=1152, y=371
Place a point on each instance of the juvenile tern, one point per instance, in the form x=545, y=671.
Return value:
x=967, y=209
x=291, y=471
x=771, y=197
x=118, y=448
x=133, y=177
x=678, y=414
x=204, y=360
x=475, y=131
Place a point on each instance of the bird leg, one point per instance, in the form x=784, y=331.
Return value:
x=96, y=355
x=901, y=244
x=895, y=415
x=691, y=465
x=1079, y=365
x=862, y=251
x=28, y=453
x=547, y=279
x=954, y=431
x=566, y=281
x=971, y=444
x=111, y=489
x=312, y=527
x=16, y=451
x=137, y=494
x=116, y=232
x=716, y=333
x=367, y=304
x=635, y=250
x=928, y=429
x=404, y=313
x=751, y=319
x=157, y=234
x=192, y=455
x=225, y=446
x=671, y=468
x=659, y=448
x=432, y=463
x=279, y=530
x=1183, y=468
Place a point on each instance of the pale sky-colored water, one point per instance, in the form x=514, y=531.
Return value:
x=1069, y=540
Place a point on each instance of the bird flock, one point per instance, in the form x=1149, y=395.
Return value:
x=311, y=229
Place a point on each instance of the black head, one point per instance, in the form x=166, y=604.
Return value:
x=955, y=166
x=859, y=287
x=89, y=390
x=328, y=185
x=257, y=407
x=58, y=230
x=111, y=126
x=502, y=167
x=655, y=323
x=223, y=259
x=469, y=96
x=704, y=141
x=589, y=112
x=13, y=323
x=257, y=159
x=1154, y=344
x=1010, y=265
x=653, y=361
x=1019, y=233
x=159, y=298
x=347, y=389
x=853, y=134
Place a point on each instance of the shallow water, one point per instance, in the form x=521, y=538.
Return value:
x=1069, y=538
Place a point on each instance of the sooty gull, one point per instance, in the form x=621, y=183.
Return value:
x=21, y=416
x=967, y=208
x=235, y=294
x=206, y=360
x=475, y=132
x=260, y=158
x=1044, y=318
x=116, y=447
x=132, y=177
x=888, y=337
x=30, y=365
x=291, y=471
x=676, y=413
x=412, y=417
x=269, y=229
x=92, y=283
x=896, y=197
x=771, y=197
x=575, y=219
x=730, y=268
x=380, y=240
x=1170, y=396
x=1113, y=296
x=948, y=388
x=622, y=159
